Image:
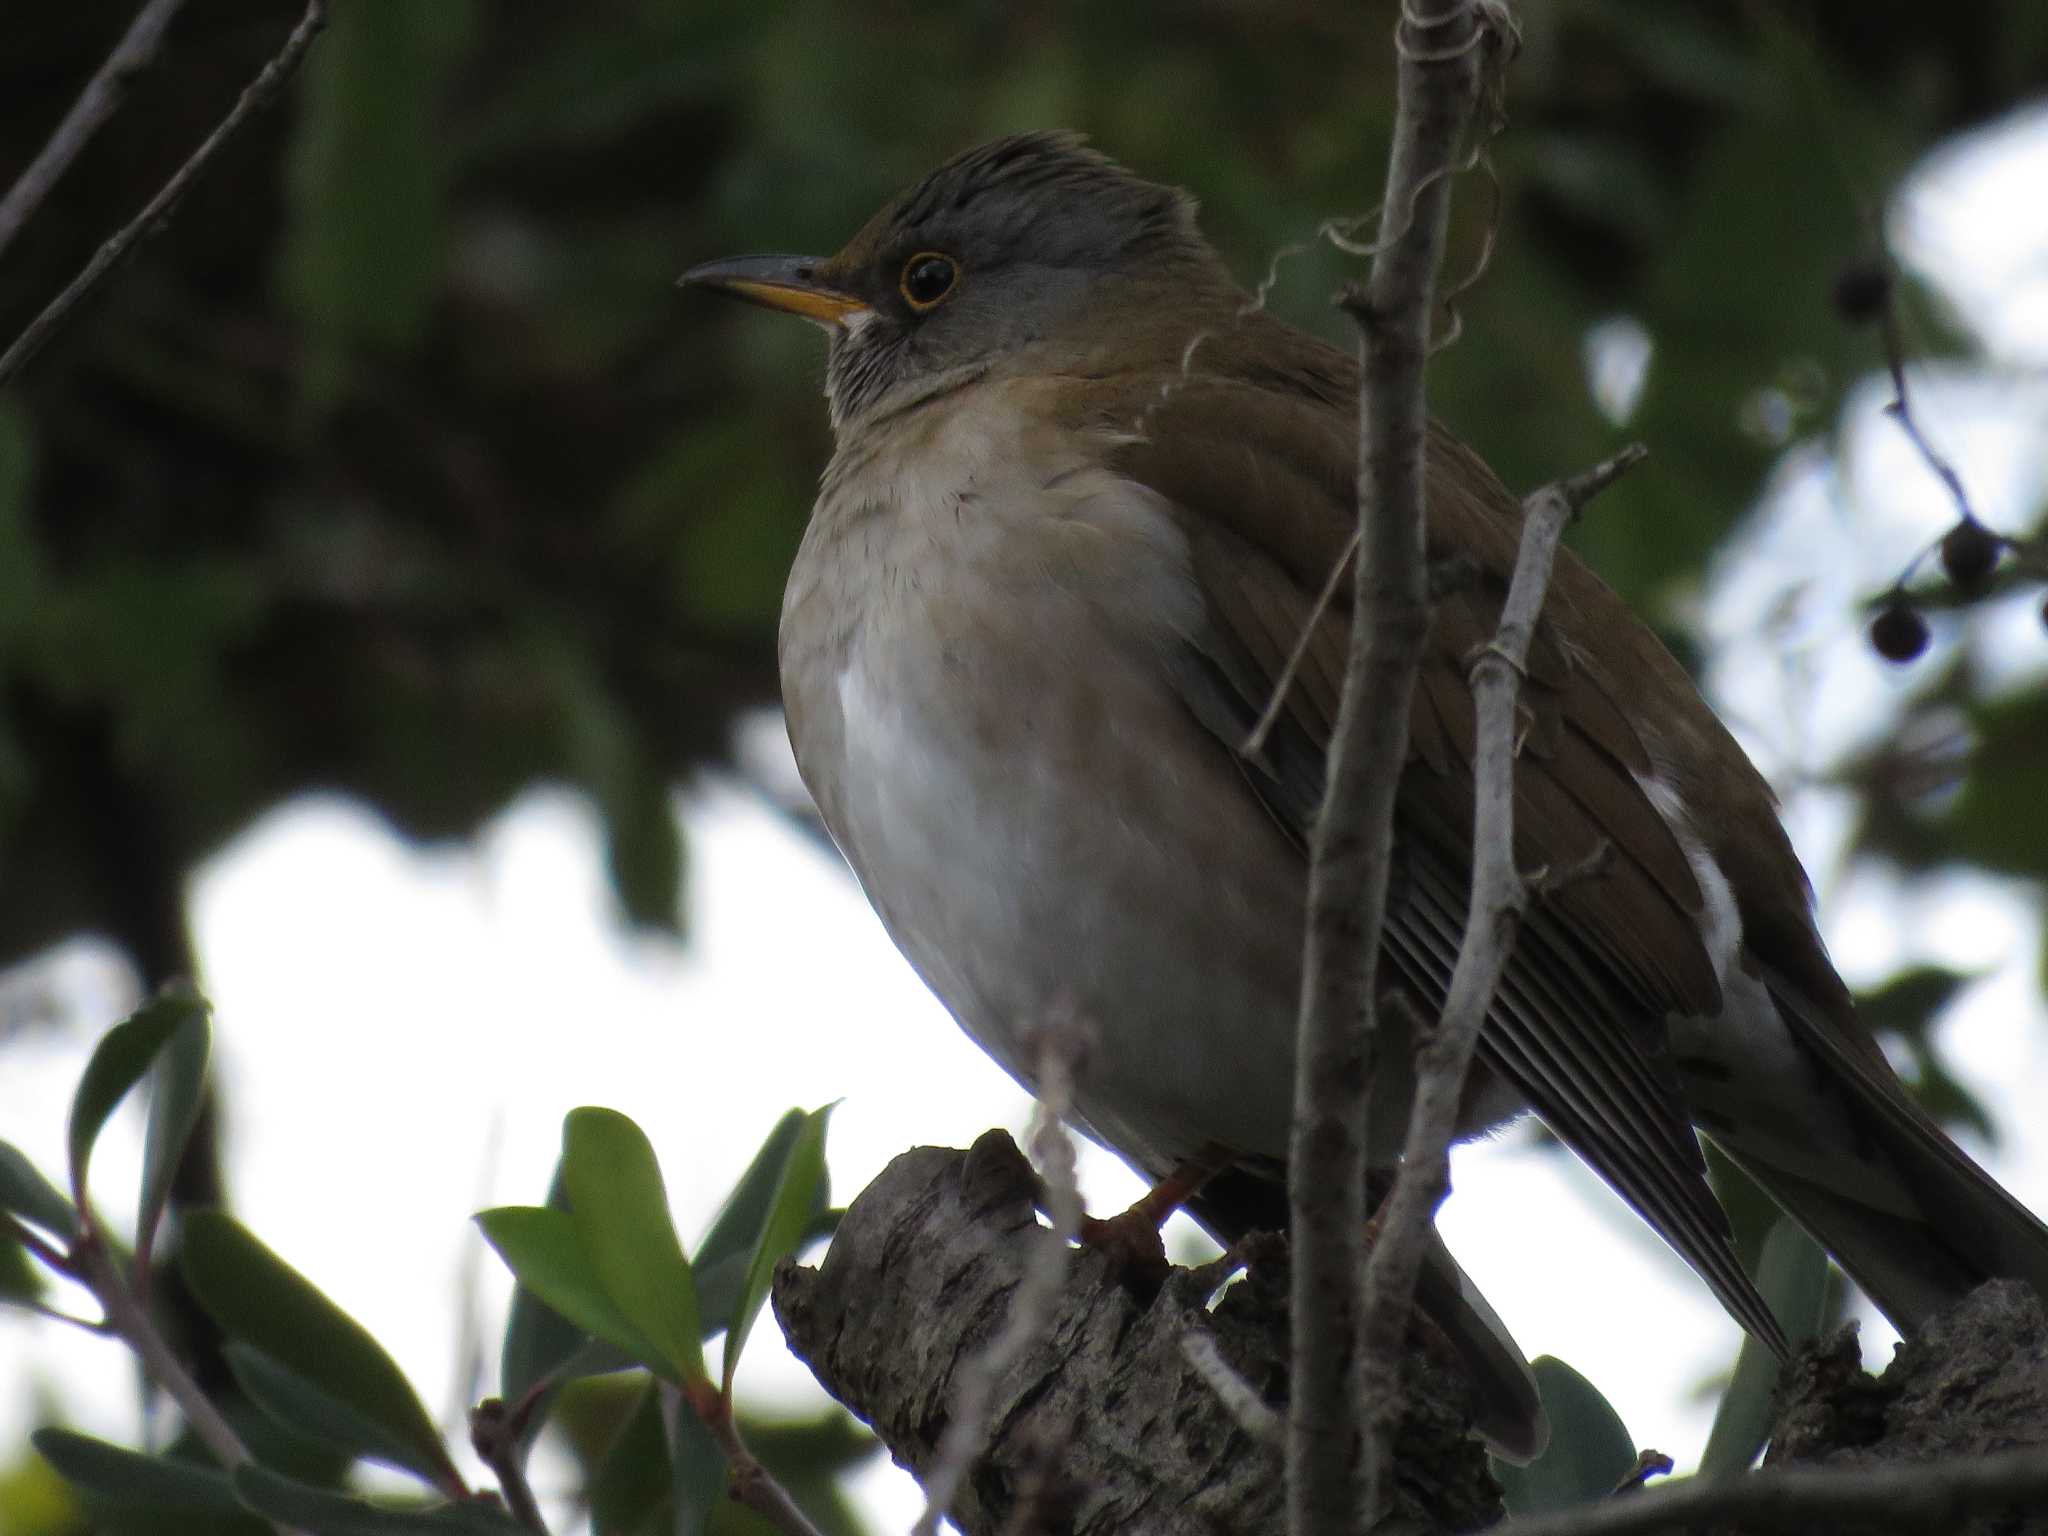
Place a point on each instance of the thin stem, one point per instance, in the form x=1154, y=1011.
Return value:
x=1499, y=896
x=126, y=1317
x=494, y=1432
x=156, y=213
x=19, y=1232
x=95, y=104
x=1240, y=1399
x=1331, y=1484
x=752, y=1484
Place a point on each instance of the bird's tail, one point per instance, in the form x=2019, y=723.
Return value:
x=1849, y=1154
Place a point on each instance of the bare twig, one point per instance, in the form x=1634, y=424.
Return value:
x=96, y=1266
x=1499, y=895
x=95, y=104
x=1649, y=1464
x=752, y=1484
x=1900, y=409
x=494, y=1433
x=1930, y=1496
x=258, y=94
x=1255, y=742
x=1238, y=1397
x=1331, y=1487
x=20, y=1232
x=1031, y=1309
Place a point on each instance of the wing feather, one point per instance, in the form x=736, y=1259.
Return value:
x=1262, y=473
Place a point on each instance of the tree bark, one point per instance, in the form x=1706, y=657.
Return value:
x=1106, y=1426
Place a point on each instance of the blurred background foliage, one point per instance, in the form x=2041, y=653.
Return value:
x=395, y=467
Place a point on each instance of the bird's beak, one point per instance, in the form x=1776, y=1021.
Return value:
x=787, y=283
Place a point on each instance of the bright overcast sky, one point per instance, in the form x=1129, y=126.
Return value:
x=401, y=1029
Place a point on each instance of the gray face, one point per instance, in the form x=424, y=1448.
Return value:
x=992, y=253
x=1032, y=248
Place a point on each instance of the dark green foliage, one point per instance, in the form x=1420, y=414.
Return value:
x=1590, y=1450
x=397, y=468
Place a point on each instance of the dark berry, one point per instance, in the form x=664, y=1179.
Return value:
x=1862, y=289
x=1969, y=553
x=1898, y=633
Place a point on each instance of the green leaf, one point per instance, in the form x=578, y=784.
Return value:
x=736, y=1230
x=620, y=1208
x=539, y=1341
x=1792, y=1274
x=1590, y=1450
x=633, y=1481
x=799, y=1195
x=128, y=1478
x=307, y=1408
x=541, y=1344
x=727, y=1250
x=175, y=1098
x=258, y=1298
x=323, y=1512
x=21, y=1278
x=546, y=1252
x=116, y=1066
x=696, y=1465
x=25, y=1192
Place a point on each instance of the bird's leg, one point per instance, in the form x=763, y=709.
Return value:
x=1131, y=1237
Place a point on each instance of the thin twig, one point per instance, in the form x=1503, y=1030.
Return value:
x=1900, y=409
x=1331, y=1484
x=1240, y=1399
x=102, y=1275
x=95, y=104
x=752, y=1484
x=157, y=212
x=1931, y=1496
x=1499, y=895
x=1255, y=742
x=94, y=1325
x=494, y=1435
x=20, y=1232
x=1038, y=1290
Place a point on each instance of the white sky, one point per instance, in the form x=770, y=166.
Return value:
x=401, y=1029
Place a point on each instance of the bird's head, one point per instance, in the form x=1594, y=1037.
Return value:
x=1033, y=251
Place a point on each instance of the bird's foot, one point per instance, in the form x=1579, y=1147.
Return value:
x=1130, y=1239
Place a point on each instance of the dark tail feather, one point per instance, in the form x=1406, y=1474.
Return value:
x=1913, y=1220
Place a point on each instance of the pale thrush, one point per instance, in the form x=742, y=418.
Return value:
x=1083, y=496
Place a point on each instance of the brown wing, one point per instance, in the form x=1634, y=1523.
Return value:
x=1262, y=465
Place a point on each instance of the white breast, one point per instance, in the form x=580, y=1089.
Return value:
x=975, y=657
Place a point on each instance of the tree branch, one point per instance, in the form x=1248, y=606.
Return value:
x=95, y=104
x=1934, y=1496
x=1331, y=1486
x=1102, y=1417
x=1498, y=897
x=157, y=212
x=1031, y=1308
x=1102, y=1425
x=1956, y=1427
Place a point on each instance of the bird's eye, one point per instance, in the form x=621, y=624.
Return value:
x=927, y=278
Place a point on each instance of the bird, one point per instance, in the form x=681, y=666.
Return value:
x=1083, y=496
